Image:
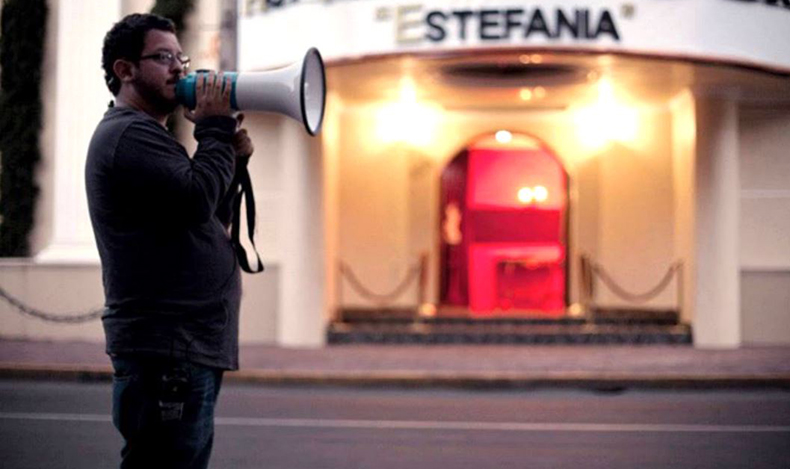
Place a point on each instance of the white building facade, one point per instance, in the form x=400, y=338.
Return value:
x=668, y=118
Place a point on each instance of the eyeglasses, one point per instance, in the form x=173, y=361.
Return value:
x=168, y=58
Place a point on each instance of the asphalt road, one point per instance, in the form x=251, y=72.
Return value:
x=67, y=425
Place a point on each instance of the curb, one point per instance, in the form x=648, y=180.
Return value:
x=418, y=379
x=56, y=372
x=514, y=381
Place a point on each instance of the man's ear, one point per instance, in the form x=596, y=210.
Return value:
x=124, y=70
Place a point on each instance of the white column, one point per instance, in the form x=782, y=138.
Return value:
x=80, y=100
x=301, y=320
x=684, y=147
x=717, y=321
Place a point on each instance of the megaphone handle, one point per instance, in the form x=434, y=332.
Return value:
x=246, y=193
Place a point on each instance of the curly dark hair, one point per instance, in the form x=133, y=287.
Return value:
x=126, y=40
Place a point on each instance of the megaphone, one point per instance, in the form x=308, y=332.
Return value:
x=298, y=91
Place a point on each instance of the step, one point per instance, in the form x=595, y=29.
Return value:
x=620, y=315
x=597, y=315
x=528, y=334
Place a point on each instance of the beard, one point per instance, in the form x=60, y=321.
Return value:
x=159, y=96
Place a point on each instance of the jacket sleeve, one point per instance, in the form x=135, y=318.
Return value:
x=166, y=184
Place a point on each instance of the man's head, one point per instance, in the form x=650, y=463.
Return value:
x=142, y=54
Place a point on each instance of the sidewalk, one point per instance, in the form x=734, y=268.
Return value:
x=474, y=366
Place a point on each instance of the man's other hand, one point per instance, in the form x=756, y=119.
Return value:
x=241, y=141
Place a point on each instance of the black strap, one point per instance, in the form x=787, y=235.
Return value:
x=246, y=192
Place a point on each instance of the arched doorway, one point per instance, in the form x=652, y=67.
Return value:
x=504, y=205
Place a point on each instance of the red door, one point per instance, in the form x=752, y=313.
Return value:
x=503, y=230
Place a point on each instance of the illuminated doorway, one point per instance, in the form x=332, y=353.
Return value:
x=504, y=205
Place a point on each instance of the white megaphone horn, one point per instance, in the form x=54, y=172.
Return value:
x=298, y=91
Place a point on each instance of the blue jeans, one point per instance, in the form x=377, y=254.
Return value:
x=164, y=410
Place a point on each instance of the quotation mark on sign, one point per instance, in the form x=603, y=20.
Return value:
x=628, y=10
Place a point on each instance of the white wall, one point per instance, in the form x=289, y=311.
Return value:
x=64, y=290
x=373, y=207
x=765, y=188
x=54, y=289
x=636, y=205
x=277, y=202
x=765, y=224
x=288, y=179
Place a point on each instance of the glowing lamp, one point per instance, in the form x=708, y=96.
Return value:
x=503, y=136
x=528, y=195
x=525, y=195
x=606, y=120
x=407, y=120
x=540, y=193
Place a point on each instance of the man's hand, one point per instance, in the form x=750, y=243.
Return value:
x=241, y=141
x=212, y=98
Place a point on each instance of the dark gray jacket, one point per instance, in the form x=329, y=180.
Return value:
x=171, y=280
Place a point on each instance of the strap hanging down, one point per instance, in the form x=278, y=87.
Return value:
x=246, y=192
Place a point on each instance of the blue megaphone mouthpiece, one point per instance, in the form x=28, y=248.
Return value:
x=186, y=88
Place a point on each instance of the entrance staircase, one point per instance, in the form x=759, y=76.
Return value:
x=599, y=326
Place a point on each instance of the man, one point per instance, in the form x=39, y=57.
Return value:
x=171, y=279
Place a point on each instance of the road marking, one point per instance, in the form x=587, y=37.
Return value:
x=433, y=425
x=55, y=417
x=495, y=426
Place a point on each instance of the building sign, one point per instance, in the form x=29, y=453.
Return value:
x=750, y=32
x=518, y=23
x=775, y=3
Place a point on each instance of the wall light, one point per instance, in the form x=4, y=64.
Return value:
x=525, y=195
x=540, y=193
x=608, y=119
x=407, y=119
x=528, y=195
x=503, y=136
